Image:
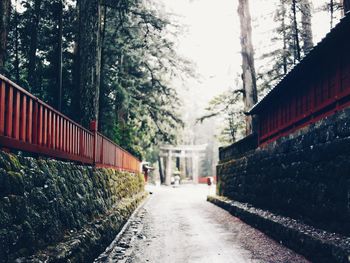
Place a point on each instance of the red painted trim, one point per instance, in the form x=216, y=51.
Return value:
x=38, y=149
x=2, y=107
x=23, y=127
x=9, y=112
x=28, y=124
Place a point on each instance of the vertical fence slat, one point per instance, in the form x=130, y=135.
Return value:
x=49, y=129
x=57, y=134
x=44, y=142
x=80, y=142
x=2, y=107
x=65, y=140
x=23, y=126
x=16, y=115
x=84, y=144
x=53, y=130
x=76, y=145
x=63, y=146
x=35, y=123
x=68, y=137
x=40, y=125
x=61, y=134
x=30, y=121
x=86, y=148
x=73, y=139
x=9, y=111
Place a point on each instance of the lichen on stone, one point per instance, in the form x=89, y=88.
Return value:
x=43, y=200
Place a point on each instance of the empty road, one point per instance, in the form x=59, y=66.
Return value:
x=178, y=225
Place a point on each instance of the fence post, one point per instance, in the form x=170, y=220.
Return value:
x=93, y=129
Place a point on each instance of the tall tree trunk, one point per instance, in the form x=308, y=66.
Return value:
x=89, y=58
x=161, y=174
x=284, y=38
x=59, y=54
x=75, y=105
x=296, y=32
x=331, y=11
x=16, y=63
x=33, y=45
x=346, y=5
x=102, y=92
x=306, y=26
x=5, y=6
x=248, y=74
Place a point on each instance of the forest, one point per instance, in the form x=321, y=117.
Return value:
x=113, y=60
x=97, y=60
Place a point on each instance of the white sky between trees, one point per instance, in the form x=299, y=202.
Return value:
x=211, y=41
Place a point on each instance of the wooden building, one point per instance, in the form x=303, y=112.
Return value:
x=315, y=88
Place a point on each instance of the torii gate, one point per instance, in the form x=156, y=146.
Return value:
x=195, y=152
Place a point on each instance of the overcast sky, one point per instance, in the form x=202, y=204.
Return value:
x=211, y=39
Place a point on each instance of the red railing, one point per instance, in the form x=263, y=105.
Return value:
x=29, y=124
x=326, y=92
x=108, y=154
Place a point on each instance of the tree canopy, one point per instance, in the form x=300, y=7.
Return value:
x=129, y=49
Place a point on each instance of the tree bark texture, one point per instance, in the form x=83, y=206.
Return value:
x=284, y=36
x=161, y=175
x=306, y=26
x=75, y=105
x=102, y=93
x=89, y=58
x=331, y=11
x=16, y=35
x=33, y=45
x=248, y=74
x=5, y=6
x=296, y=32
x=59, y=54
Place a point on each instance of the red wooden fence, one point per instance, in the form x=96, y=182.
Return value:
x=29, y=124
x=308, y=99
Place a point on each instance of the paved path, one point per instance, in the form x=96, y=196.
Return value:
x=178, y=225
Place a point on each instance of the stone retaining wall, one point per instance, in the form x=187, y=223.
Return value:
x=44, y=202
x=305, y=175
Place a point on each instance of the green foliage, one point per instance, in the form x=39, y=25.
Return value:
x=228, y=105
x=279, y=61
x=138, y=60
x=138, y=107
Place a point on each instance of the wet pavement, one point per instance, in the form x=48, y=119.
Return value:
x=178, y=225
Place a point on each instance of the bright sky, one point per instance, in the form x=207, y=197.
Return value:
x=211, y=41
x=211, y=38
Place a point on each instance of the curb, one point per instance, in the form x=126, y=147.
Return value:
x=123, y=230
x=315, y=244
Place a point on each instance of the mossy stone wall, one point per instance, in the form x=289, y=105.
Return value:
x=305, y=175
x=43, y=200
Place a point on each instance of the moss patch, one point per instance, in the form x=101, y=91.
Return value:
x=43, y=200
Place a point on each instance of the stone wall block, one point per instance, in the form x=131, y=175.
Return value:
x=42, y=199
x=305, y=174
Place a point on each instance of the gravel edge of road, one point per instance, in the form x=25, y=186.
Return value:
x=122, y=232
x=315, y=244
